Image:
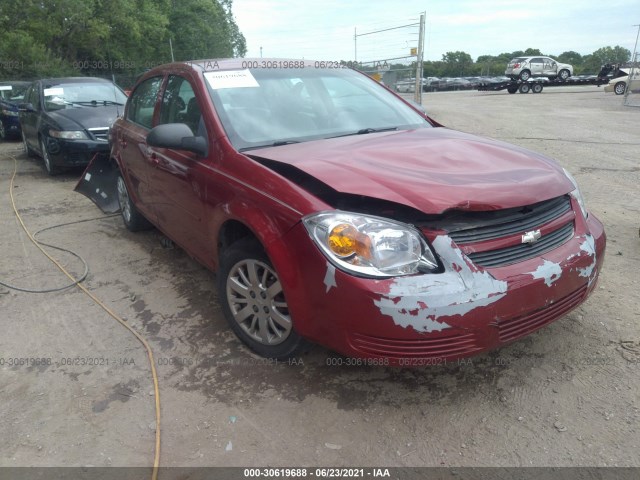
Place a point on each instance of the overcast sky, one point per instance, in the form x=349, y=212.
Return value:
x=324, y=29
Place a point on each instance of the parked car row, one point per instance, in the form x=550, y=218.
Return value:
x=435, y=84
x=337, y=213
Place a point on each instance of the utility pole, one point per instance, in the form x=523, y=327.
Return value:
x=355, y=44
x=419, y=61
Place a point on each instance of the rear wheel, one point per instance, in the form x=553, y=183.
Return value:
x=254, y=303
x=619, y=88
x=525, y=75
x=564, y=74
x=512, y=89
x=524, y=88
x=132, y=218
x=3, y=132
x=536, y=88
x=48, y=164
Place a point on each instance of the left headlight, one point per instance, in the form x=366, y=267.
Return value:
x=577, y=194
x=68, y=134
x=370, y=246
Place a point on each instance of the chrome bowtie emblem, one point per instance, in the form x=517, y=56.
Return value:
x=531, y=237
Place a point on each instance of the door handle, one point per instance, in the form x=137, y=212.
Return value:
x=153, y=157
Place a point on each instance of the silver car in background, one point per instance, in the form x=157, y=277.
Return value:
x=524, y=68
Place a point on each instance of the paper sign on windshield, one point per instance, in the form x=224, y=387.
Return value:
x=49, y=92
x=231, y=79
x=6, y=87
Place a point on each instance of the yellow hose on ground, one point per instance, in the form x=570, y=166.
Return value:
x=115, y=316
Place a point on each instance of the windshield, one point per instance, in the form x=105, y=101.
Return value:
x=14, y=91
x=81, y=94
x=266, y=107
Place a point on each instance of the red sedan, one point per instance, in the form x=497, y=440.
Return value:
x=336, y=213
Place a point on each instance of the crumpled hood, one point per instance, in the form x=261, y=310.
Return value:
x=431, y=169
x=86, y=117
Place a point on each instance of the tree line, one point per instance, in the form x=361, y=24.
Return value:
x=40, y=38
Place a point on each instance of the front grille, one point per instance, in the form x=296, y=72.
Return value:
x=481, y=226
x=517, y=327
x=101, y=134
x=522, y=251
x=493, y=238
x=439, y=347
x=76, y=158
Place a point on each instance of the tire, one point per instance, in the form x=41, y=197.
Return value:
x=253, y=301
x=48, y=165
x=564, y=74
x=512, y=89
x=619, y=88
x=536, y=88
x=3, y=132
x=524, y=75
x=132, y=218
x=524, y=88
x=27, y=149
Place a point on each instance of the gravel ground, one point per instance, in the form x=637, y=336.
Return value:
x=566, y=396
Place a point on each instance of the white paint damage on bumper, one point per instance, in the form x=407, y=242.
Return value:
x=420, y=301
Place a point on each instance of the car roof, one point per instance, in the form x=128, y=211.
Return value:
x=74, y=80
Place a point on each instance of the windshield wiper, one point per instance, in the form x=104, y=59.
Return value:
x=95, y=103
x=274, y=144
x=364, y=131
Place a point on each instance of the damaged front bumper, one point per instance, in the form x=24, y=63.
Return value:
x=433, y=318
x=98, y=183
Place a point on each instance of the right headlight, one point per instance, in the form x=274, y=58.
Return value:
x=370, y=246
x=68, y=134
x=576, y=193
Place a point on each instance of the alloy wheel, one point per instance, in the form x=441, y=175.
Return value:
x=257, y=302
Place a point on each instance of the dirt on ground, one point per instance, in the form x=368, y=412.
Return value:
x=76, y=388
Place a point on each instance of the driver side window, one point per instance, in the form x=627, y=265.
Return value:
x=143, y=102
x=180, y=105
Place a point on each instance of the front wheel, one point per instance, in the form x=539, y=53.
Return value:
x=48, y=163
x=132, y=218
x=620, y=88
x=3, y=131
x=524, y=88
x=564, y=74
x=254, y=303
x=525, y=75
x=27, y=149
x=536, y=88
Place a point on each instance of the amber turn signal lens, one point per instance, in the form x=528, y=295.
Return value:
x=344, y=240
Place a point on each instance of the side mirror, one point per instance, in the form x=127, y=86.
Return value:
x=177, y=136
x=26, y=107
